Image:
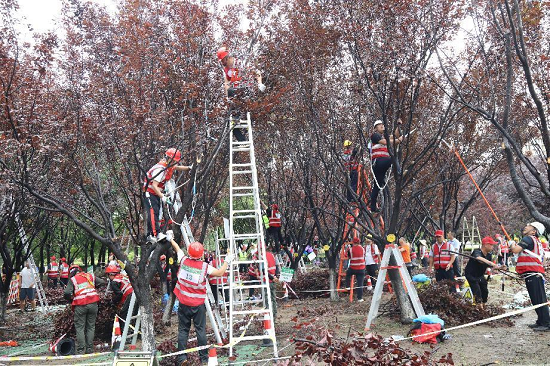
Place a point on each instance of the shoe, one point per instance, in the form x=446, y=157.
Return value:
x=360, y=300
x=542, y=328
x=151, y=239
x=532, y=326
x=161, y=237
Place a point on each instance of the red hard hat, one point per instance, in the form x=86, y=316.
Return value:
x=222, y=53
x=195, y=250
x=112, y=268
x=488, y=240
x=74, y=266
x=174, y=154
x=439, y=233
x=163, y=257
x=356, y=240
x=63, y=259
x=53, y=257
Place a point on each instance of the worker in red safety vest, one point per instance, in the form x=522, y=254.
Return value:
x=217, y=282
x=153, y=187
x=351, y=164
x=122, y=290
x=503, y=250
x=53, y=272
x=167, y=271
x=275, y=226
x=356, y=267
x=381, y=160
x=239, y=86
x=64, y=272
x=372, y=258
x=529, y=266
x=191, y=293
x=441, y=258
x=82, y=289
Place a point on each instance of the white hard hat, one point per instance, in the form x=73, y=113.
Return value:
x=377, y=122
x=537, y=225
x=422, y=242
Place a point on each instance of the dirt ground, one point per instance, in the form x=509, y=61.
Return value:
x=478, y=345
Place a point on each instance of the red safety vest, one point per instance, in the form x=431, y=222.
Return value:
x=232, y=74
x=379, y=151
x=413, y=255
x=168, y=274
x=217, y=280
x=53, y=270
x=349, y=161
x=191, y=286
x=154, y=171
x=531, y=262
x=64, y=270
x=271, y=264
x=441, y=260
x=125, y=287
x=84, y=289
x=275, y=218
x=503, y=246
x=373, y=252
x=357, y=258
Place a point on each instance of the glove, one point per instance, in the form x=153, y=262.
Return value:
x=166, y=200
x=169, y=235
x=229, y=258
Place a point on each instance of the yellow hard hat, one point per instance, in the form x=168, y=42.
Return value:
x=326, y=248
x=347, y=143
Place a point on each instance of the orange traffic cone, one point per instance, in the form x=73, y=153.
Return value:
x=212, y=357
x=117, y=334
x=369, y=284
x=457, y=286
x=267, y=342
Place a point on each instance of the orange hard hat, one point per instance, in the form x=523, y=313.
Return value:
x=112, y=268
x=174, y=154
x=195, y=250
x=163, y=257
x=222, y=53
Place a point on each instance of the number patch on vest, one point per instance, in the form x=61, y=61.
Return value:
x=190, y=274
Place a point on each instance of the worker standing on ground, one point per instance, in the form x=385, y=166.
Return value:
x=405, y=250
x=424, y=252
x=381, y=160
x=275, y=226
x=26, y=288
x=122, y=290
x=153, y=186
x=167, y=271
x=239, y=86
x=64, y=272
x=82, y=289
x=53, y=272
x=476, y=268
x=529, y=266
x=356, y=267
x=455, y=244
x=191, y=293
x=351, y=165
x=503, y=250
x=372, y=256
x=441, y=259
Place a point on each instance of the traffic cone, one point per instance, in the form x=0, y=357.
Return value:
x=267, y=327
x=117, y=334
x=285, y=297
x=212, y=357
x=369, y=283
x=457, y=286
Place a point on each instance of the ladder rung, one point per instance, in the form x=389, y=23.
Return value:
x=248, y=261
x=240, y=126
x=241, y=149
x=241, y=165
x=246, y=302
x=244, y=287
x=246, y=236
x=246, y=312
x=241, y=172
x=243, y=194
x=237, y=143
x=242, y=187
x=243, y=211
x=245, y=217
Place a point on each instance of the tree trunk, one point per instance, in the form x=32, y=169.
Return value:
x=42, y=269
x=147, y=327
x=92, y=259
x=3, y=303
x=166, y=315
x=405, y=306
x=333, y=277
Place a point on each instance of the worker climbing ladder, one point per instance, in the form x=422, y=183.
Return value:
x=392, y=249
x=44, y=307
x=245, y=223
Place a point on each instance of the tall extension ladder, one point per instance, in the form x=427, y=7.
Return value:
x=245, y=223
x=44, y=307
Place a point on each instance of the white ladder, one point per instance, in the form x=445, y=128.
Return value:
x=214, y=315
x=128, y=324
x=392, y=249
x=44, y=307
x=245, y=215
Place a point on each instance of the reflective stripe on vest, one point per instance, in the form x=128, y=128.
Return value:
x=349, y=160
x=373, y=253
x=275, y=218
x=53, y=270
x=84, y=289
x=125, y=287
x=191, y=286
x=64, y=270
x=160, y=166
x=217, y=280
x=530, y=261
x=357, y=259
x=441, y=260
x=379, y=151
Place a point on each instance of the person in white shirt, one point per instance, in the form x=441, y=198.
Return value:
x=26, y=291
x=372, y=256
x=455, y=244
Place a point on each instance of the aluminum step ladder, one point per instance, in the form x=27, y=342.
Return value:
x=245, y=223
x=392, y=249
x=128, y=324
x=44, y=307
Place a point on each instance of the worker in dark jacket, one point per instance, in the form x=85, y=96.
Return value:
x=122, y=290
